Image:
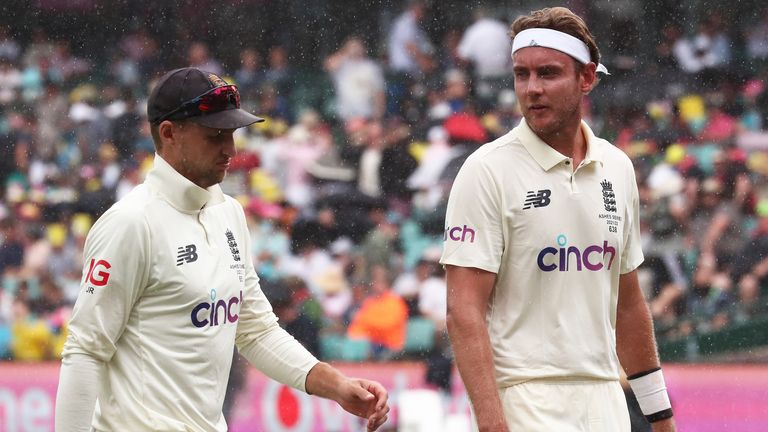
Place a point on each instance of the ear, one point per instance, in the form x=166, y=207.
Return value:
x=588, y=77
x=169, y=134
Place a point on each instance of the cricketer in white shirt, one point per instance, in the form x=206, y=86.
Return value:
x=558, y=241
x=167, y=267
x=169, y=288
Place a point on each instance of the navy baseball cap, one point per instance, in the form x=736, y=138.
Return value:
x=198, y=96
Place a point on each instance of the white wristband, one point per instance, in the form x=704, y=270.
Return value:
x=651, y=393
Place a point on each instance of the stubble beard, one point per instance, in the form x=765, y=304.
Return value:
x=555, y=128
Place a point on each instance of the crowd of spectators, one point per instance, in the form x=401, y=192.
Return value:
x=345, y=184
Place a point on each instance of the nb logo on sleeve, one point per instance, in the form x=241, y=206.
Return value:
x=537, y=199
x=187, y=254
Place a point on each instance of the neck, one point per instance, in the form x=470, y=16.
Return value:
x=569, y=141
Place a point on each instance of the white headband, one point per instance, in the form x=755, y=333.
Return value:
x=556, y=40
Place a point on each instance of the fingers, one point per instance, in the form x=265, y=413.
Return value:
x=377, y=390
x=361, y=392
x=376, y=422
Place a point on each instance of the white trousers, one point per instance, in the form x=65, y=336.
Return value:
x=565, y=406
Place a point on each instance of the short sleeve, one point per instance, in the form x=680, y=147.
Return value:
x=632, y=252
x=473, y=234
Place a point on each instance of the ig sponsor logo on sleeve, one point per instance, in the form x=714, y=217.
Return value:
x=97, y=275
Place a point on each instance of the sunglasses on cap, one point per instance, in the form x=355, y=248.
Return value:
x=214, y=100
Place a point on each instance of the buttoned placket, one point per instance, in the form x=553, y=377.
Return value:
x=572, y=173
x=201, y=219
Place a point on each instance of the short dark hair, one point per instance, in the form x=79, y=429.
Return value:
x=154, y=130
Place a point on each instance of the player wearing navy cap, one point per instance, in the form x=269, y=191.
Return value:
x=169, y=288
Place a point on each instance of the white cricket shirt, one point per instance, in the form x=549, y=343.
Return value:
x=558, y=238
x=168, y=289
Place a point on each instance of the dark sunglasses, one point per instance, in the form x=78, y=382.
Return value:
x=214, y=100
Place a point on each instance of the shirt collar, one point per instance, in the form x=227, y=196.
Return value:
x=178, y=190
x=547, y=157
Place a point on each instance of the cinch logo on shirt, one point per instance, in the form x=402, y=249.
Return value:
x=216, y=312
x=461, y=234
x=592, y=257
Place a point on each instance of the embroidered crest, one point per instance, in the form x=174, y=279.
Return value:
x=216, y=81
x=233, y=245
x=609, y=198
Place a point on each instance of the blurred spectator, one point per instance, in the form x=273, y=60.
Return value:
x=65, y=263
x=756, y=38
x=308, y=259
x=370, y=159
x=486, y=46
x=397, y=164
x=126, y=128
x=50, y=298
x=298, y=149
x=31, y=338
x=456, y=90
x=288, y=311
x=710, y=47
x=37, y=252
x=142, y=53
x=11, y=248
x=65, y=66
x=465, y=134
x=380, y=247
x=409, y=285
x=431, y=163
x=279, y=76
x=10, y=81
x=664, y=216
x=9, y=47
x=52, y=120
x=335, y=297
x=408, y=43
x=358, y=80
x=199, y=56
x=270, y=244
x=432, y=292
x=710, y=299
x=250, y=75
x=750, y=271
x=720, y=126
x=718, y=225
x=382, y=318
x=39, y=48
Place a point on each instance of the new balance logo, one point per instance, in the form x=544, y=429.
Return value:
x=537, y=199
x=187, y=254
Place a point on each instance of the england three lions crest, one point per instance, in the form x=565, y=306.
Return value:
x=233, y=245
x=609, y=198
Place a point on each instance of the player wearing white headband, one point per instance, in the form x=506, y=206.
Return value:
x=541, y=249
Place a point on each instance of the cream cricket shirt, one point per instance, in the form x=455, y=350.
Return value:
x=558, y=237
x=168, y=288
